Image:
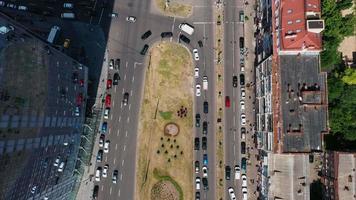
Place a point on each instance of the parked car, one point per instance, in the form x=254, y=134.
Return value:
x=104, y=127
x=196, y=54
x=243, y=147
x=116, y=79
x=109, y=84
x=244, y=193
x=197, y=120
x=243, y=93
x=184, y=39
x=237, y=172
x=111, y=64
x=205, y=127
x=101, y=140
x=99, y=156
x=227, y=102
x=234, y=81
x=105, y=171
x=205, y=107
x=204, y=143
x=114, y=176
x=197, y=195
x=98, y=174
x=242, y=79
x=242, y=105
x=241, y=42
x=166, y=34
x=198, y=90
x=146, y=35
x=114, y=15
x=243, y=164
x=131, y=19
x=196, y=144
x=197, y=183
x=205, y=159
x=243, y=119
x=244, y=180
x=108, y=101
x=56, y=162
x=107, y=146
x=61, y=167
x=200, y=43
x=117, y=63
x=227, y=172
x=197, y=166
x=231, y=193
x=23, y=8
x=205, y=183
x=243, y=133
x=95, y=192
x=196, y=72
x=144, y=49
x=106, y=113
x=77, y=111
x=205, y=171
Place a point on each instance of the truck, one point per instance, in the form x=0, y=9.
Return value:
x=68, y=15
x=205, y=83
x=189, y=29
x=53, y=33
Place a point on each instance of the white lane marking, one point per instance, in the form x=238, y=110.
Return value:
x=110, y=117
x=123, y=90
x=106, y=159
x=115, y=89
x=234, y=136
x=121, y=177
x=110, y=190
x=121, y=105
x=102, y=187
x=125, y=147
x=119, y=118
x=233, y=47
x=174, y=21
x=113, y=103
x=234, y=150
x=127, y=63
x=126, y=134
x=101, y=15
x=118, y=194
x=203, y=22
x=133, y=79
x=131, y=93
x=116, y=146
x=125, y=77
x=129, y=106
x=118, y=132
x=234, y=120
x=122, y=162
x=109, y=130
x=114, y=161
x=233, y=106
x=128, y=120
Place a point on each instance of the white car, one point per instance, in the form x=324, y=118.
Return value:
x=196, y=55
x=101, y=142
x=61, y=167
x=106, y=146
x=243, y=94
x=244, y=193
x=24, y=8
x=198, y=90
x=114, y=15
x=106, y=113
x=98, y=174
x=237, y=172
x=242, y=68
x=242, y=105
x=131, y=19
x=56, y=162
x=243, y=119
x=197, y=183
x=244, y=180
x=205, y=171
x=231, y=193
x=105, y=171
x=2, y=3
x=196, y=72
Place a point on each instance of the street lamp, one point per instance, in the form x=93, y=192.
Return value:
x=80, y=147
x=83, y=136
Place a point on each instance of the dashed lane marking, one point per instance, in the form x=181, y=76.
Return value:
x=122, y=163
x=119, y=118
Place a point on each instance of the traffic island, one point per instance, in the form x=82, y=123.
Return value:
x=166, y=124
x=174, y=9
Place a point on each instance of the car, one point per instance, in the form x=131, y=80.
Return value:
x=243, y=164
x=197, y=183
x=196, y=72
x=227, y=102
x=33, y=189
x=144, y=49
x=205, y=83
x=197, y=166
x=243, y=147
x=166, y=34
x=146, y=35
x=205, y=127
x=79, y=99
x=196, y=54
x=113, y=15
x=231, y=193
x=205, y=183
x=24, y=8
x=66, y=42
x=61, y=167
x=242, y=105
x=131, y=19
x=244, y=193
x=227, y=172
x=242, y=68
x=106, y=113
x=99, y=156
x=200, y=43
x=95, y=192
x=2, y=3
x=184, y=39
x=205, y=171
x=242, y=79
x=114, y=176
x=196, y=143
x=243, y=133
x=197, y=195
x=56, y=162
x=111, y=64
x=68, y=5
x=205, y=107
x=243, y=93
x=107, y=146
x=77, y=111
x=244, y=180
x=237, y=172
x=81, y=82
x=234, y=81
x=75, y=77
x=204, y=143
x=126, y=98
x=108, y=101
x=116, y=79
x=243, y=119
x=241, y=16
x=11, y=5
x=101, y=140
x=98, y=174
x=197, y=90
x=205, y=159
x=104, y=127
x=109, y=84
x=105, y=171
x=117, y=63
x=197, y=120
x=241, y=42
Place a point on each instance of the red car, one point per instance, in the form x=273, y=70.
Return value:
x=227, y=102
x=108, y=84
x=81, y=82
x=79, y=99
x=108, y=101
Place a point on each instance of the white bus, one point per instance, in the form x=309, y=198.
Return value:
x=52, y=35
x=187, y=28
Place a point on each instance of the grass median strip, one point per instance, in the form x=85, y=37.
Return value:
x=174, y=9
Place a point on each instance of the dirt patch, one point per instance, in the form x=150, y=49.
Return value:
x=174, y=9
x=165, y=92
x=171, y=129
x=164, y=190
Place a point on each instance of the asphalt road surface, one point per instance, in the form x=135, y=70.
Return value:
x=124, y=42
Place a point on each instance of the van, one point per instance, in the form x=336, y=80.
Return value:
x=205, y=83
x=189, y=29
x=68, y=15
x=68, y=5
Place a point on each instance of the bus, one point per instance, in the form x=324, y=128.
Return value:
x=52, y=35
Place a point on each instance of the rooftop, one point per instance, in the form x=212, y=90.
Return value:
x=304, y=103
x=346, y=176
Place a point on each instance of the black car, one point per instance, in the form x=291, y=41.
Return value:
x=197, y=195
x=200, y=43
x=116, y=79
x=234, y=81
x=75, y=76
x=197, y=120
x=197, y=166
x=204, y=143
x=144, y=50
x=117, y=64
x=205, y=127
x=99, y=156
x=242, y=44
x=205, y=183
x=95, y=192
x=126, y=98
x=196, y=144
x=227, y=172
x=243, y=147
x=146, y=35
x=184, y=39
x=242, y=79
x=206, y=109
x=166, y=34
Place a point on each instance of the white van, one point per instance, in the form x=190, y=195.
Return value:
x=68, y=5
x=68, y=15
x=205, y=83
x=189, y=29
